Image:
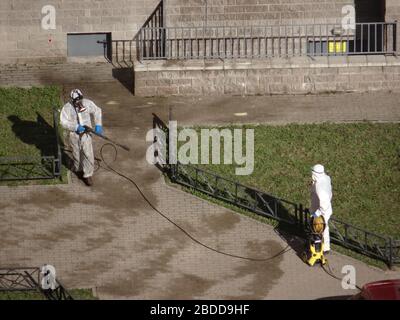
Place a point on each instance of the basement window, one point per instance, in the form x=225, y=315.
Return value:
x=89, y=45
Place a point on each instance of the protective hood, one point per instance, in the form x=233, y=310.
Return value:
x=317, y=176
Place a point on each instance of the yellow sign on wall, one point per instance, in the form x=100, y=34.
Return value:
x=337, y=47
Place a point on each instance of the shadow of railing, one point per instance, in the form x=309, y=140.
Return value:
x=46, y=139
x=124, y=53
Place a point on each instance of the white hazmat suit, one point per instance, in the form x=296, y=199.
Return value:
x=82, y=149
x=321, y=197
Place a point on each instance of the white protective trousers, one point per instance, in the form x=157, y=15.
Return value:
x=82, y=153
x=321, y=197
x=81, y=144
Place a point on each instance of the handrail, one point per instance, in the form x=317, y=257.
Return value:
x=227, y=42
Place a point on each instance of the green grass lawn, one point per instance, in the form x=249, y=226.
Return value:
x=77, y=294
x=363, y=160
x=26, y=121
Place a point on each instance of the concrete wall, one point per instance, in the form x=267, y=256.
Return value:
x=63, y=73
x=22, y=38
x=392, y=14
x=276, y=76
x=253, y=12
x=393, y=9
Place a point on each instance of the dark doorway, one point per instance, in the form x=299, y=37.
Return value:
x=370, y=10
x=370, y=31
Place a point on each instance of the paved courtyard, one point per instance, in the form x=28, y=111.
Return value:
x=110, y=239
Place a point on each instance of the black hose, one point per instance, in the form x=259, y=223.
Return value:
x=110, y=168
x=283, y=251
x=331, y=274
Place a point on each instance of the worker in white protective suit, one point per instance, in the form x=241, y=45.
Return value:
x=321, y=197
x=75, y=115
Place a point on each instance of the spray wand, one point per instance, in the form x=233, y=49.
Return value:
x=90, y=130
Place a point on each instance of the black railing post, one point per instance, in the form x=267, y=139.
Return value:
x=173, y=171
x=58, y=161
x=390, y=260
x=196, y=178
x=300, y=209
x=304, y=215
x=163, y=30
x=297, y=214
x=236, y=192
x=395, y=37
x=216, y=186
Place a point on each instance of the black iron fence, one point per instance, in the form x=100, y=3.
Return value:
x=40, y=167
x=29, y=279
x=357, y=239
x=156, y=42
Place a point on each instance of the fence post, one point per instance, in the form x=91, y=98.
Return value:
x=139, y=47
x=236, y=192
x=58, y=161
x=303, y=216
x=390, y=261
x=395, y=37
x=299, y=215
x=174, y=169
x=196, y=177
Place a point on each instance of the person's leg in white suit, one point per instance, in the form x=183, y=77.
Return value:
x=87, y=156
x=327, y=239
x=82, y=153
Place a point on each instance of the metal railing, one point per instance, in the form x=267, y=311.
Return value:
x=342, y=233
x=155, y=26
x=35, y=168
x=123, y=53
x=29, y=279
x=160, y=42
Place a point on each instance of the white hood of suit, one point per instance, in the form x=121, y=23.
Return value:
x=321, y=195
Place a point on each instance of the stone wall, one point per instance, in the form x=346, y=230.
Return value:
x=23, y=39
x=253, y=12
x=63, y=73
x=276, y=76
x=393, y=14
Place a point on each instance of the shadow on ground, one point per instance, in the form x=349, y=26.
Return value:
x=125, y=76
x=287, y=228
x=40, y=134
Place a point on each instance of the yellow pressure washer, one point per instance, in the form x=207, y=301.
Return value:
x=315, y=245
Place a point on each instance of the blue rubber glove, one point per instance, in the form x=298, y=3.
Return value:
x=99, y=130
x=80, y=129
